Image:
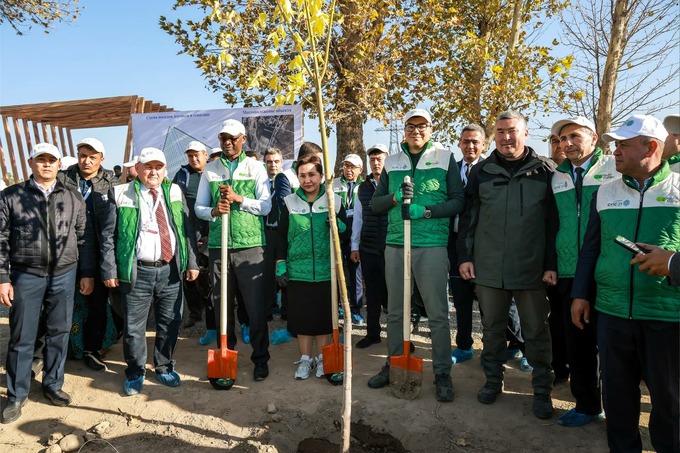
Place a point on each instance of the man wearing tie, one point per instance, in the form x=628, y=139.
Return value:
x=272, y=161
x=584, y=170
x=154, y=246
x=472, y=144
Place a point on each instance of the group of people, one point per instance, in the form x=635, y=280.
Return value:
x=517, y=230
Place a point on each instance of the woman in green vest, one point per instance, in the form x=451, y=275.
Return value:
x=303, y=264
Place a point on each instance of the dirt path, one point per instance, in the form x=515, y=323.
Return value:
x=196, y=418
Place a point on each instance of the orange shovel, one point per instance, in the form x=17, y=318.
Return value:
x=406, y=372
x=222, y=362
x=333, y=354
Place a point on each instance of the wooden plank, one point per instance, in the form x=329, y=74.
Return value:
x=36, y=133
x=3, y=163
x=10, y=149
x=45, y=136
x=74, y=151
x=20, y=147
x=64, y=146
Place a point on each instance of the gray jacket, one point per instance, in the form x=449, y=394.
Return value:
x=44, y=236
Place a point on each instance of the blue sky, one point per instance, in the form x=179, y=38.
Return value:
x=117, y=48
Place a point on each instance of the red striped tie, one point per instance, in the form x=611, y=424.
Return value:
x=166, y=244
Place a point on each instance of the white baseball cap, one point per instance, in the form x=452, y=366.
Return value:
x=672, y=124
x=195, y=146
x=354, y=160
x=216, y=150
x=418, y=112
x=92, y=143
x=233, y=128
x=380, y=147
x=45, y=148
x=638, y=125
x=132, y=162
x=151, y=154
x=579, y=120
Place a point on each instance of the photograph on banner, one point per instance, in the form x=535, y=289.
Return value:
x=266, y=127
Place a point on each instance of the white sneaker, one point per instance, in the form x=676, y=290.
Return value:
x=305, y=366
x=319, y=366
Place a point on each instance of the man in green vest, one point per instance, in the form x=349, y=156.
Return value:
x=236, y=185
x=436, y=193
x=584, y=170
x=638, y=315
x=154, y=248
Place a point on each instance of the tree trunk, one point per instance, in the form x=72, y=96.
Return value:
x=350, y=139
x=617, y=45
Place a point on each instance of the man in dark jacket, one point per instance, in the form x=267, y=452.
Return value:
x=502, y=246
x=93, y=182
x=369, y=230
x=43, y=232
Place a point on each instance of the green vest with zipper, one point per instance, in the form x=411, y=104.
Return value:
x=429, y=188
x=245, y=229
x=127, y=207
x=308, y=258
x=574, y=220
x=652, y=217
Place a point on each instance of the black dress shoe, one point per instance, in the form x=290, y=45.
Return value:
x=37, y=367
x=12, y=411
x=58, y=397
x=366, y=342
x=261, y=371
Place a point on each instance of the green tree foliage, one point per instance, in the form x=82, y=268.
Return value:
x=23, y=14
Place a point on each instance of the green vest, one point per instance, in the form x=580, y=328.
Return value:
x=341, y=187
x=308, y=257
x=573, y=221
x=429, y=188
x=127, y=211
x=653, y=217
x=245, y=229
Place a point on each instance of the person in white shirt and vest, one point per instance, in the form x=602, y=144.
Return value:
x=154, y=246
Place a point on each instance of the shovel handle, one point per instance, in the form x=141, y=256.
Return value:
x=407, y=275
x=224, y=266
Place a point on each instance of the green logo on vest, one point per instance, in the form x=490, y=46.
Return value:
x=598, y=176
x=428, y=164
x=321, y=208
x=660, y=199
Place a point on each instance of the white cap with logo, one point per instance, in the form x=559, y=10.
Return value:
x=233, y=128
x=354, y=160
x=418, y=112
x=638, y=125
x=151, y=154
x=579, y=120
x=132, y=162
x=45, y=148
x=92, y=143
x=195, y=145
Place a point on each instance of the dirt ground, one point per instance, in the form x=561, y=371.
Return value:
x=195, y=417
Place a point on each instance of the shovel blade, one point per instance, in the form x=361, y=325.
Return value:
x=406, y=374
x=333, y=356
x=222, y=364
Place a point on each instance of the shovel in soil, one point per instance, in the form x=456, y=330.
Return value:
x=222, y=362
x=333, y=354
x=406, y=372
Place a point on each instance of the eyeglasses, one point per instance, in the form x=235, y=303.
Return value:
x=225, y=138
x=412, y=127
x=349, y=167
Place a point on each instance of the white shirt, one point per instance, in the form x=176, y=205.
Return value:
x=463, y=170
x=357, y=223
x=149, y=239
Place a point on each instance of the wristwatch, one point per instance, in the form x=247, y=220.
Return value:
x=428, y=213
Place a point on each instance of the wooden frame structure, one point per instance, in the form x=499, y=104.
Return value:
x=52, y=122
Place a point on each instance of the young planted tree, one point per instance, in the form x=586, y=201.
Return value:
x=626, y=58
x=20, y=14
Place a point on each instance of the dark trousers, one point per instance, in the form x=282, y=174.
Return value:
x=558, y=320
x=245, y=272
x=632, y=350
x=53, y=295
x=513, y=330
x=269, y=280
x=94, y=328
x=162, y=288
x=463, y=294
x=582, y=355
x=533, y=308
x=373, y=270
